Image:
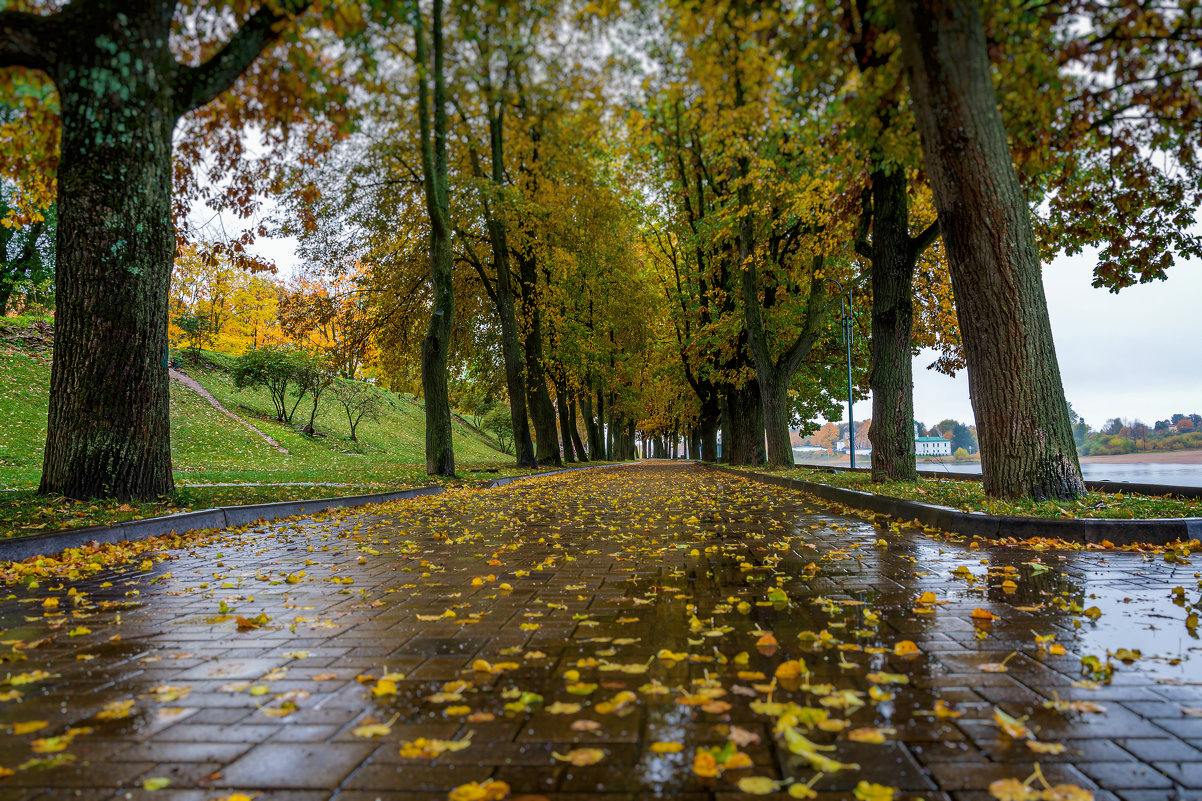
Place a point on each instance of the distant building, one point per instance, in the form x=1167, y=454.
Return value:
x=932, y=446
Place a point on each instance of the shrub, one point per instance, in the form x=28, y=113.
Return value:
x=500, y=423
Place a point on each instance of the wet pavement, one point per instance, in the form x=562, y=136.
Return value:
x=626, y=633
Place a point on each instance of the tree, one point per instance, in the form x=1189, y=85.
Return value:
x=962, y=437
x=1185, y=425
x=432, y=120
x=328, y=308
x=120, y=91
x=359, y=401
x=275, y=369
x=26, y=253
x=312, y=376
x=1027, y=448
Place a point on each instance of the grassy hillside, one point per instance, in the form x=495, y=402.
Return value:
x=209, y=448
x=392, y=448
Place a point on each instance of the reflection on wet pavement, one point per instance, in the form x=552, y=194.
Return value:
x=614, y=634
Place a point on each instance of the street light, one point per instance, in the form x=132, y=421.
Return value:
x=845, y=311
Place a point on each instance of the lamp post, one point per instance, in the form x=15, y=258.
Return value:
x=845, y=311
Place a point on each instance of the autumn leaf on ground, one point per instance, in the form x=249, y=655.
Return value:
x=1012, y=790
x=1011, y=725
x=560, y=708
x=580, y=757
x=667, y=748
x=490, y=790
x=868, y=791
x=757, y=785
x=28, y=726
x=115, y=710
x=422, y=748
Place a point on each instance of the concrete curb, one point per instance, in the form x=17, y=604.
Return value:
x=1092, y=486
x=221, y=517
x=977, y=524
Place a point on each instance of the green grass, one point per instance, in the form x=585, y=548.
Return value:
x=969, y=496
x=209, y=448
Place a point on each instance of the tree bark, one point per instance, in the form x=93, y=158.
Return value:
x=1027, y=448
x=745, y=410
x=891, y=379
x=440, y=453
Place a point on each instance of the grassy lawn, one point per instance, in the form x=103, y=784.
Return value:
x=208, y=448
x=969, y=496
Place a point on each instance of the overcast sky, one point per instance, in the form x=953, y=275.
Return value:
x=1137, y=354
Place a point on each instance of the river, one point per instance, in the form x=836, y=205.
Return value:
x=1177, y=475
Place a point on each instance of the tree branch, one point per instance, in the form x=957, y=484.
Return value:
x=924, y=240
x=28, y=40
x=198, y=86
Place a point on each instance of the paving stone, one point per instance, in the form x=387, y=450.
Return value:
x=294, y=765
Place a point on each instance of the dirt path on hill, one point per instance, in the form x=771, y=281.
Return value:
x=192, y=384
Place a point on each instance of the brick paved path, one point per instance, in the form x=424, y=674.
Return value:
x=601, y=573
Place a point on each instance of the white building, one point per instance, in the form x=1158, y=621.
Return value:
x=932, y=446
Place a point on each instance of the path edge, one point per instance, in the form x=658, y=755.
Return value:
x=16, y=549
x=1150, y=531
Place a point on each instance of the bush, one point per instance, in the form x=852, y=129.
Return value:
x=960, y=454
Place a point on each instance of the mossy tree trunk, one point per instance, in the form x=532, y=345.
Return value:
x=120, y=92
x=440, y=452
x=1027, y=448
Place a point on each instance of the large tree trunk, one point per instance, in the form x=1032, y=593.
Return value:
x=745, y=410
x=775, y=397
x=892, y=378
x=108, y=431
x=1027, y=448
